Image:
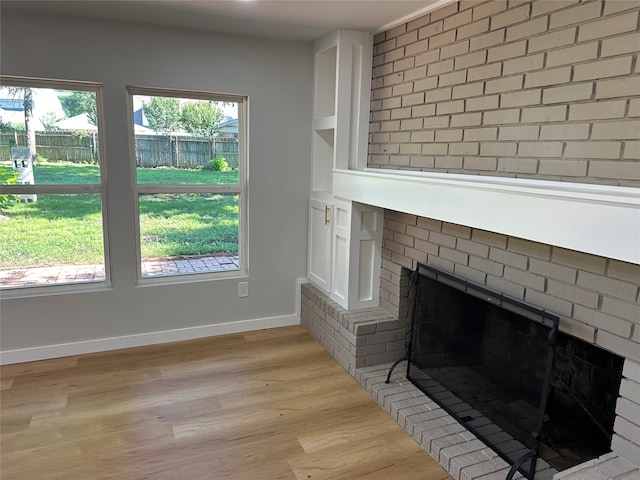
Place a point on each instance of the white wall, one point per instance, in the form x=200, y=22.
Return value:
x=277, y=77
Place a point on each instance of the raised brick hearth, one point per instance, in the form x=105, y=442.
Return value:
x=354, y=339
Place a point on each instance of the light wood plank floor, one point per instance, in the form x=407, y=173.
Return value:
x=270, y=404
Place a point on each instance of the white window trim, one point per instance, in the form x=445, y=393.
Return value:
x=99, y=189
x=239, y=188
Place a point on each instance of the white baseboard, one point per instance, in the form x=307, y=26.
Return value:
x=142, y=339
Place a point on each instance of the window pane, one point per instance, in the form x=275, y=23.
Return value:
x=59, y=126
x=188, y=233
x=185, y=141
x=55, y=239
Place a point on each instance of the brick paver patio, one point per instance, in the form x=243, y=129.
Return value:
x=59, y=274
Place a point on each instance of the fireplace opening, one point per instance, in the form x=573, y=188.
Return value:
x=503, y=370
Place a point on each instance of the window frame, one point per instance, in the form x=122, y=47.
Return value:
x=69, y=189
x=241, y=188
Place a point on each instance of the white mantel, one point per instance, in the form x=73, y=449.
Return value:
x=596, y=219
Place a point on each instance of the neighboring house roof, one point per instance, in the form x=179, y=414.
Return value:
x=12, y=104
x=139, y=118
x=77, y=122
x=81, y=123
x=230, y=125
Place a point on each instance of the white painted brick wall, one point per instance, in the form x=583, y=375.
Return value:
x=561, y=70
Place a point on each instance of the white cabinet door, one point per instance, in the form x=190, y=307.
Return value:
x=320, y=236
x=341, y=251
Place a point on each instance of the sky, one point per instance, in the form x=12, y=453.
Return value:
x=45, y=101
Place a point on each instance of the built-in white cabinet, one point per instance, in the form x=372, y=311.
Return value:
x=357, y=240
x=345, y=238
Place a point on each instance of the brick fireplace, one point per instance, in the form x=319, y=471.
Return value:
x=504, y=147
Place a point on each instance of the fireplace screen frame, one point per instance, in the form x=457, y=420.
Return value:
x=543, y=318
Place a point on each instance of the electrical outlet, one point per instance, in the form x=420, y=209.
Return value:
x=243, y=289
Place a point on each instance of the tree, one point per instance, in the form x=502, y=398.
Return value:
x=48, y=121
x=29, y=125
x=163, y=114
x=77, y=102
x=201, y=118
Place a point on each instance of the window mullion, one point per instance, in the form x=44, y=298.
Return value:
x=51, y=189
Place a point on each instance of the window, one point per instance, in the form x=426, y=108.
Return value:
x=190, y=182
x=52, y=184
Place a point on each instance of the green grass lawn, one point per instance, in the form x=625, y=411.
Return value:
x=188, y=224
x=53, y=174
x=66, y=229
x=57, y=229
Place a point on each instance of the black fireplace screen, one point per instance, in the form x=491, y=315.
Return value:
x=486, y=359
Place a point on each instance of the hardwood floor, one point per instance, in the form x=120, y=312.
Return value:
x=270, y=404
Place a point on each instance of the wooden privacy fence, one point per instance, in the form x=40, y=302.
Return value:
x=184, y=152
x=227, y=147
x=151, y=150
x=58, y=146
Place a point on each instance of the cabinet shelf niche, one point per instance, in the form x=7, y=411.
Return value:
x=323, y=153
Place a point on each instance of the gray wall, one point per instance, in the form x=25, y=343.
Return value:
x=277, y=77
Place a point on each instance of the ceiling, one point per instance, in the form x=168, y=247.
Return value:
x=304, y=20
